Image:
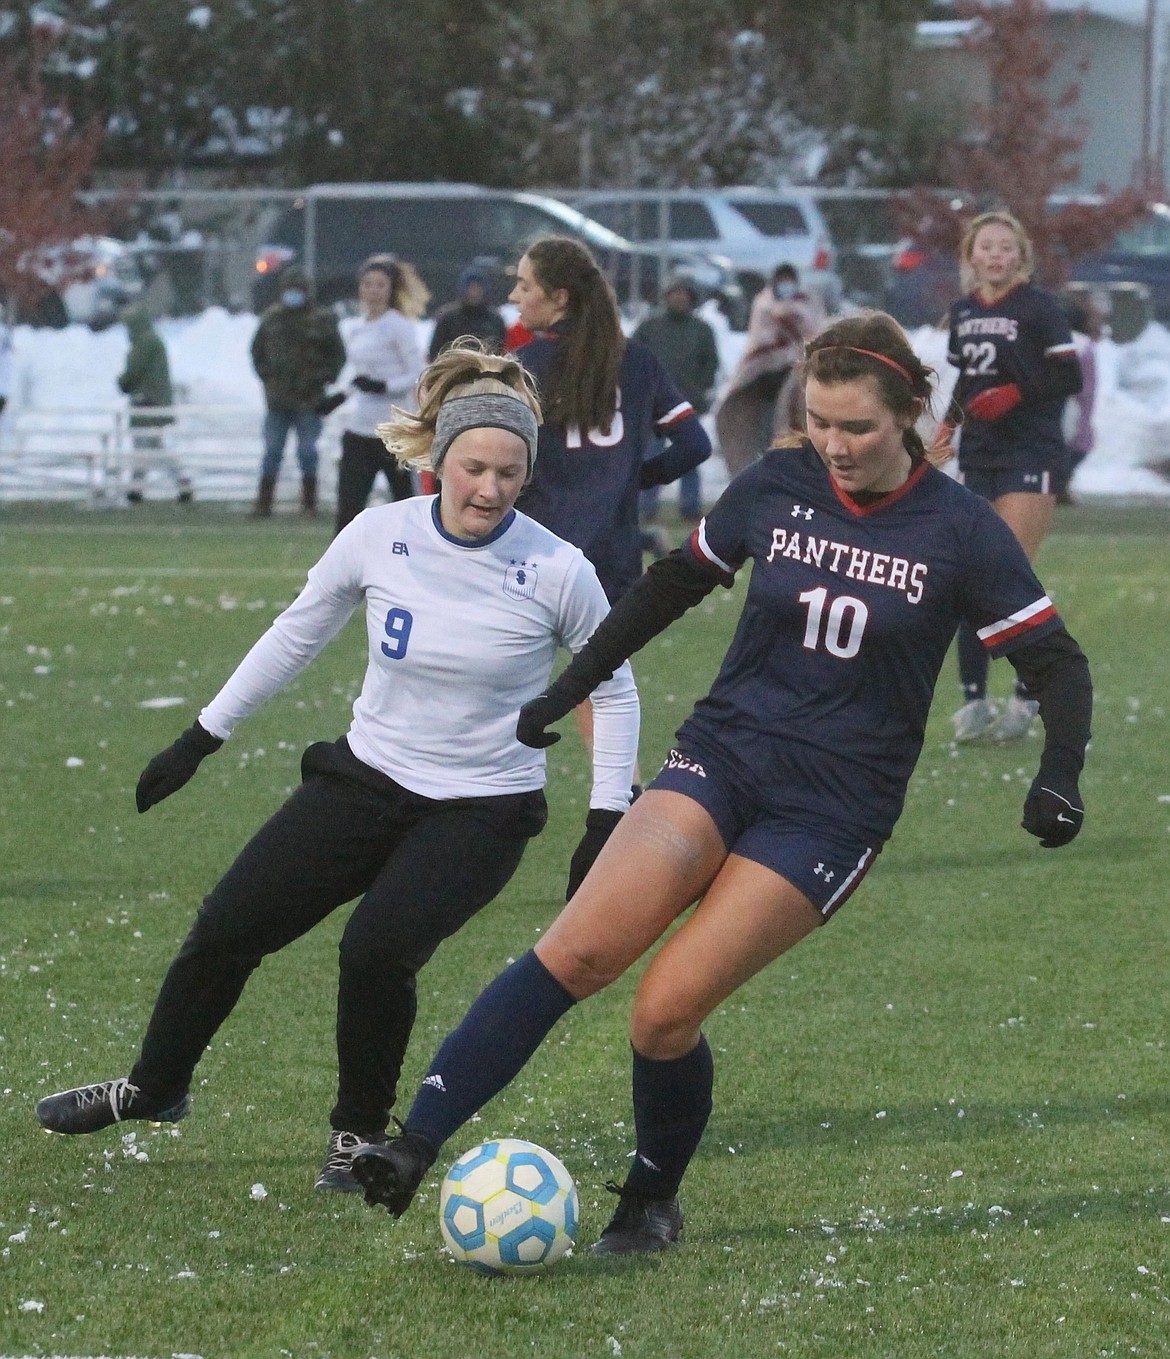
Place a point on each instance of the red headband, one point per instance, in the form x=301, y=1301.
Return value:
x=873, y=354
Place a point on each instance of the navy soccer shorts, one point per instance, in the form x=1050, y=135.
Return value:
x=993, y=482
x=827, y=868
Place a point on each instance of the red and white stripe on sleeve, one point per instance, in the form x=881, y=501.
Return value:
x=674, y=415
x=1023, y=620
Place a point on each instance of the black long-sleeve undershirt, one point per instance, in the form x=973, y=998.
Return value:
x=1053, y=668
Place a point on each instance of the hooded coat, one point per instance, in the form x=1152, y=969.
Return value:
x=146, y=379
x=297, y=351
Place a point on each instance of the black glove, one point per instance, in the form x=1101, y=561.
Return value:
x=329, y=403
x=168, y=771
x=372, y=386
x=1053, y=809
x=599, y=826
x=538, y=713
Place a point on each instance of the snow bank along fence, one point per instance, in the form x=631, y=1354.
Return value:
x=92, y=454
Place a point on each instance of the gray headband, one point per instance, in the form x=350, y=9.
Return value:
x=483, y=410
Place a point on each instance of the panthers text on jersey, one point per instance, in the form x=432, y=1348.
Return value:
x=823, y=696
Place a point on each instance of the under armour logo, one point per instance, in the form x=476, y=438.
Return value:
x=822, y=872
x=400, y=550
x=801, y=512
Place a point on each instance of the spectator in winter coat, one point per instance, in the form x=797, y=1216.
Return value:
x=685, y=346
x=763, y=398
x=296, y=352
x=382, y=348
x=146, y=380
x=470, y=315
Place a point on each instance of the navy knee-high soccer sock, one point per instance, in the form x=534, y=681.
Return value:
x=973, y=663
x=503, y=1028
x=672, y=1103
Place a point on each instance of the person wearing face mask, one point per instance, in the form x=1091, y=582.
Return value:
x=383, y=350
x=763, y=398
x=424, y=808
x=297, y=352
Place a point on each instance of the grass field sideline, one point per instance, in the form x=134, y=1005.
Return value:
x=941, y=1124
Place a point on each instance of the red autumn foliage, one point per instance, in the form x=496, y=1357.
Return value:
x=1024, y=151
x=45, y=161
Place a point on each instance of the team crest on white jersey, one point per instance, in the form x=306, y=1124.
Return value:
x=520, y=580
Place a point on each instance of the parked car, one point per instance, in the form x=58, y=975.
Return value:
x=756, y=229
x=441, y=228
x=865, y=239
x=923, y=283
x=89, y=281
x=1140, y=255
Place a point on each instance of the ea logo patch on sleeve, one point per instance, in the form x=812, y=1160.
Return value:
x=520, y=580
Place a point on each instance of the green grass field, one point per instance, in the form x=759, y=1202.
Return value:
x=940, y=1126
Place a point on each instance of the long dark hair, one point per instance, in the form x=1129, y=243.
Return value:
x=874, y=345
x=582, y=382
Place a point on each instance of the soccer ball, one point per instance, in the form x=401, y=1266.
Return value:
x=508, y=1207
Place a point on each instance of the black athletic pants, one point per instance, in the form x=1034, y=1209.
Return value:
x=362, y=458
x=422, y=868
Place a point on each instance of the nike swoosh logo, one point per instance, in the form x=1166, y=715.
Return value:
x=1068, y=821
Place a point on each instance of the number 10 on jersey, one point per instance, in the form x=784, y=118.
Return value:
x=838, y=631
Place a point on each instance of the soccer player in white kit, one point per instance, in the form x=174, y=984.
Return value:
x=424, y=807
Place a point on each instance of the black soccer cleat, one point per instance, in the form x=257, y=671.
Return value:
x=90, y=1108
x=390, y=1173
x=337, y=1170
x=641, y=1225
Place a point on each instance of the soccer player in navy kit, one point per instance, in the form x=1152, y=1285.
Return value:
x=788, y=777
x=1017, y=365
x=424, y=808
x=607, y=401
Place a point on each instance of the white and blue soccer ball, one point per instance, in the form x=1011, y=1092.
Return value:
x=508, y=1207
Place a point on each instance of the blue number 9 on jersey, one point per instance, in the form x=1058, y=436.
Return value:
x=398, y=625
x=508, y=1207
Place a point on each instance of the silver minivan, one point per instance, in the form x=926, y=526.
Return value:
x=756, y=229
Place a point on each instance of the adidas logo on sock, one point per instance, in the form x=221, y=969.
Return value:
x=437, y=1082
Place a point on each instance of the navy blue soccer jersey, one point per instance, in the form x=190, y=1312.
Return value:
x=1010, y=340
x=585, y=483
x=823, y=696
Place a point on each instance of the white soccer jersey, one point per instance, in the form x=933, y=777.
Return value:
x=388, y=350
x=460, y=636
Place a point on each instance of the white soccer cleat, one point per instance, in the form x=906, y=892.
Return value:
x=1017, y=716
x=974, y=720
